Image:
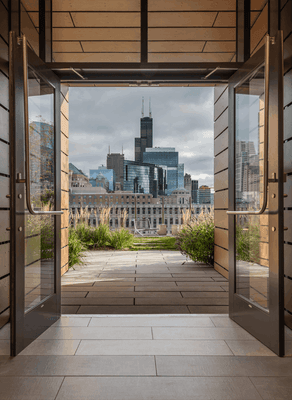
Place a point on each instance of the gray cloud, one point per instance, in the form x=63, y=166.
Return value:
x=182, y=118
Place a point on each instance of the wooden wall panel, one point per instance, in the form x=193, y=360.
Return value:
x=221, y=161
x=221, y=142
x=221, y=123
x=64, y=177
x=221, y=219
x=221, y=180
x=221, y=237
x=221, y=199
x=221, y=257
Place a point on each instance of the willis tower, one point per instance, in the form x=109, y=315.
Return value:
x=146, y=134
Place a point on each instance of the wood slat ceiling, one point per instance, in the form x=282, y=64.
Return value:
x=178, y=30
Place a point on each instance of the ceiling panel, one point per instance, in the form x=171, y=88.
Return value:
x=168, y=47
x=187, y=57
x=191, y=5
x=96, y=5
x=96, y=34
x=67, y=47
x=214, y=47
x=257, y=4
x=192, y=34
x=162, y=19
x=95, y=19
x=96, y=57
x=253, y=17
x=34, y=16
x=111, y=47
x=226, y=19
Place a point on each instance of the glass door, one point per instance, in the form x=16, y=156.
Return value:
x=35, y=192
x=256, y=195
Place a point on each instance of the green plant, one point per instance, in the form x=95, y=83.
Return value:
x=248, y=243
x=100, y=236
x=76, y=247
x=196, y=238
x=120, y=239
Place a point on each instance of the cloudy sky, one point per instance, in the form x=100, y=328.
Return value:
x=182, y=118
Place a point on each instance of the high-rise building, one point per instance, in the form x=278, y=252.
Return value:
x=167, y=158
x=77, y=178
x=188, y=182
x=146, y=135
x=109, y=174
x=204, y=194
x=115, y=161
x=195, y=185
x=143, y=178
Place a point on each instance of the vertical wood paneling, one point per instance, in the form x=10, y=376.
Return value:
x=64, y=176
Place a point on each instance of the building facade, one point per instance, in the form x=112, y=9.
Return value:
x=109, y=174
x=204, y=194
x=188, y=182
x=77, y=178
x=146, y=138
x=195, y=185
x=115, y=162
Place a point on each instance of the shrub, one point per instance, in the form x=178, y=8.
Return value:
x=100, y=236
x=120, y=239
x=196, y=238
x=248, y=243
x=76, y=247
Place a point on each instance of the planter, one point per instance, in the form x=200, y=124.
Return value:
x=162, y=230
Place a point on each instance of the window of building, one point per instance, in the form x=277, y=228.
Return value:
x=138, y=210
x=160, y=221
x=154, y=210
x=171, y=221
x=170, y=211
x=143, y=210
x=149, y=210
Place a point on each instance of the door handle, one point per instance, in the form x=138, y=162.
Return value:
x=26, y=130
x=266, y=136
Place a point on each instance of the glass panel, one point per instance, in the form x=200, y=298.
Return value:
x=252, y=233
x=39, y=230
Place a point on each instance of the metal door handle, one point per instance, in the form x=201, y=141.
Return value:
x=266, y=131
x=26, y=130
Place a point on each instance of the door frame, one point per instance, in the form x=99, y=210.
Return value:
x=270, y=331
x=26, y=327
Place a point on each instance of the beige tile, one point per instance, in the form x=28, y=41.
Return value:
x=51, y=347
x=153, y=347
x=99, y=289
x=69, y=309
x=212, y=333
x=249, y=348
x=130, y=284
x=5, y=332
x=32, y=388
x=146, y=388
x=151, y=321
x=273, y=388
x=224, y=322
x=205, y=294
x=195, y=288
x=64, y=333
x=223, y=366
x=81, y=365
x=73, y=294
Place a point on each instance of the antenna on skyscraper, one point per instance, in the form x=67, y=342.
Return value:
x=109, y=149
x=150, y=112
x=142, y=107
x=122, y=149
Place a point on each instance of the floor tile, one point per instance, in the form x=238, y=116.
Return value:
x=201, y=333
x=4, y=347
x=29, y=388
x=153, y=347
x=146, y=388
x=224, y=322
x=92, y=301
x=72, y=321
x=102, y=289
x=72, y=294
x=174, y=295
x=249, y=348
x=209, y=309
x=128, y=333
x=188, y=301
x=69, y=309
x=273, y=388
x=223, y=366
x=205, y=294
x=78, y=365
x=151, y=321
x=199, y=288
x=51, y=347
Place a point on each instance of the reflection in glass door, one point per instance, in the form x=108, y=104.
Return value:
x=252, y=234
x=39, y=229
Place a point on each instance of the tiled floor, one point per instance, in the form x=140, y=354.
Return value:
x=139, y=357
x=143, y=282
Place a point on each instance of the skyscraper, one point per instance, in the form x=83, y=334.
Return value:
x=115, y=161
x=146, y=134
x=195, y=185
x=167, y=157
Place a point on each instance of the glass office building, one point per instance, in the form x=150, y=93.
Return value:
x=167, y=158
x=144, y=178
x=109, y=174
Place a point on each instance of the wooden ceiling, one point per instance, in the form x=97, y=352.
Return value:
x=110, y=30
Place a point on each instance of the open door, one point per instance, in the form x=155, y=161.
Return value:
x=256, y=195
x=35, y=195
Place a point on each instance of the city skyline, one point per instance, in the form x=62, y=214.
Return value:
x=116, y=122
